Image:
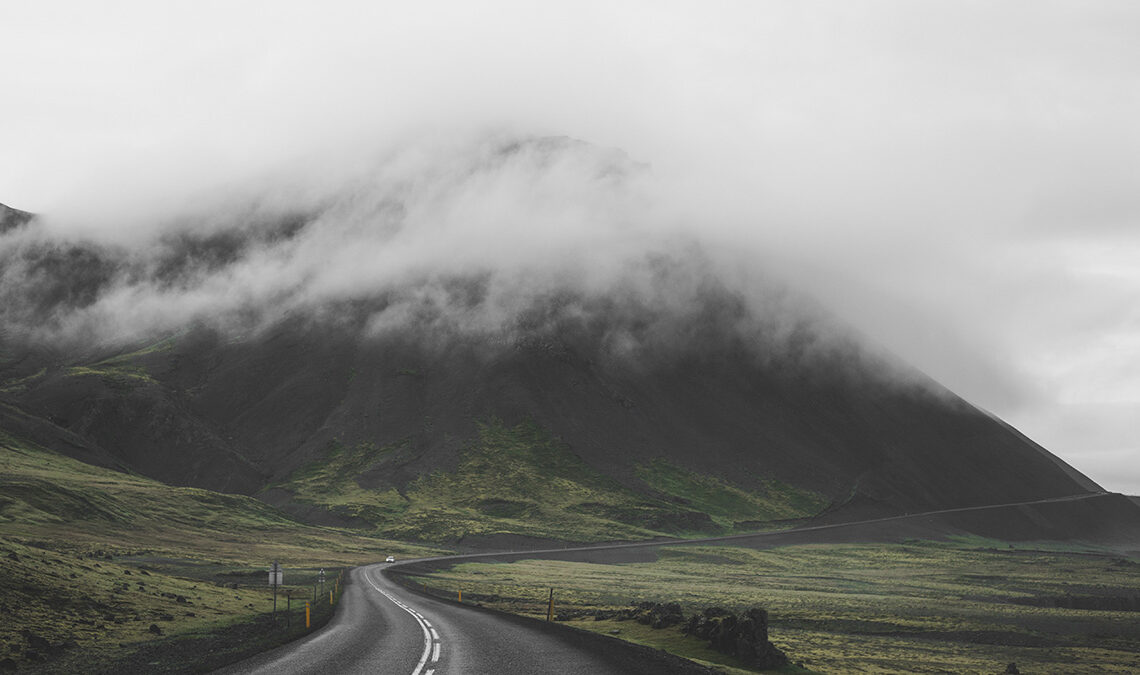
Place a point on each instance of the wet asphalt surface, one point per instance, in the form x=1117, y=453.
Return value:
x=381, y=627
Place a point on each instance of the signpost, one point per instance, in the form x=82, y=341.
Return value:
x=276, y=578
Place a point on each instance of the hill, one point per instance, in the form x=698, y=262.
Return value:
x=550, y=434
x=393, y=357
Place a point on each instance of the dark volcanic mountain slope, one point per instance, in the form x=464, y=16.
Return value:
x=11, y=218
x=621, y=387
x=483, y=343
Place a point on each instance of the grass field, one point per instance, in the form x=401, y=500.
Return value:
x=968, y=606
x=94, y=558
x=520, y=480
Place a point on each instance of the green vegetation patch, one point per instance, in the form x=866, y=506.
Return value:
x=913, y=607
x=126, y=376
x=20, y=384
x=331, y=483
x=729, y=505
x=45, y=495
x=123, y=370
x=520, y=480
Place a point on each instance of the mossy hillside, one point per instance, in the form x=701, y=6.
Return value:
x=331, y=483
x=47, y=496
x=727, y=504
x=21, y=383
x=126, y=369
x=77, y=600
x=521, y=480
x=117, y=375
x=123, y=370
x=40, y=488
x=94, y=557
x=913, y=607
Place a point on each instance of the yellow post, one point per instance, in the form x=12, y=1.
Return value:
x=307, y=624
x=550, y=607
x=330, y=597
x=461, y=595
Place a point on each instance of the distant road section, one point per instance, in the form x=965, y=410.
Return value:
x=384, y=628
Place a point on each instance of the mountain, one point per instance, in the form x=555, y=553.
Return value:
x=11, y=218
x=638, y=394
x=377, y=430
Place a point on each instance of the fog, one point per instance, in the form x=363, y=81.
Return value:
x=956, y=180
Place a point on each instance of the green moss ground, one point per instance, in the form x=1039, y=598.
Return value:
x=729, y=505
x=520, y=480
x=924, y=607
x=94, y=557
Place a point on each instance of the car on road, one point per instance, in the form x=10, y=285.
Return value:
x=390, y=558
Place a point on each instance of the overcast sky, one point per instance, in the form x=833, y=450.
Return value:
x=958, y=180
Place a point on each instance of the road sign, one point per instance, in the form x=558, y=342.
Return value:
x=276, y=575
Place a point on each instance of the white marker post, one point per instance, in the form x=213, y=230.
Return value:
x=276, y=578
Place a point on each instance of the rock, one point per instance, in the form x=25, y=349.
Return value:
x=155, y=629
x=657, y=615
x=745, y=637
x=1011, y=669
x=36, y=642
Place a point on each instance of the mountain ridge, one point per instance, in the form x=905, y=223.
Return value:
x=243, y=415
x=225, y=357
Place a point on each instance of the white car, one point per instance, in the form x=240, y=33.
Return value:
x=390, y=558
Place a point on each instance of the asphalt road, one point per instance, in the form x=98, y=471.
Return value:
x=382, y=627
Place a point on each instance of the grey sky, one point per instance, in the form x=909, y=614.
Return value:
x=959, y=180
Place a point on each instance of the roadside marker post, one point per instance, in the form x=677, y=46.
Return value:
x=461, y=595
x=307, y=624
x=330, y=597
x=276, y=578
x=550, y=607
x=288, y=609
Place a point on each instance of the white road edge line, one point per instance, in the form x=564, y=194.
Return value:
x=435, y=653
x=419, y=620
x=434, y=635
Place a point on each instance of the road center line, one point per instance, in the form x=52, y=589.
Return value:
x=423, y=624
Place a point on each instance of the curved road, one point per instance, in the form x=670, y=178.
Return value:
x=382, y=627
